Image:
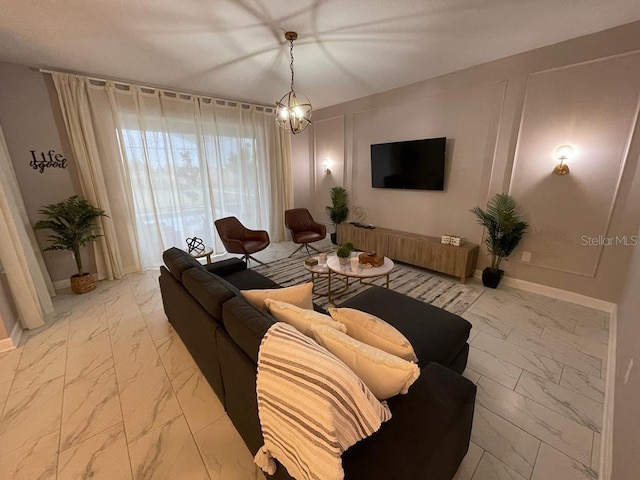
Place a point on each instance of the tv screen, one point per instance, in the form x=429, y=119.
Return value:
x=413, y=165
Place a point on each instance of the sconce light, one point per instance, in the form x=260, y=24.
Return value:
x=326, y=166
x=562, y=153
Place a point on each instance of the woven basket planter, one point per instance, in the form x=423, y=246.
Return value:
x=82, y=283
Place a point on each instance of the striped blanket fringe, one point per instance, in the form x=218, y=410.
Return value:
x=312, y=407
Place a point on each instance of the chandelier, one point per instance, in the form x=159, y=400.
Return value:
x=293, y=112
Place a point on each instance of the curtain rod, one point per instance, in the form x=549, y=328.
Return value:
x=153, y=87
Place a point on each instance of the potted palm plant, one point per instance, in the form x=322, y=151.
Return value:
x=338, y=211
x=73, y=222
x=505, y=228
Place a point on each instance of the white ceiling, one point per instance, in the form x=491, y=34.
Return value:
x=236, y=49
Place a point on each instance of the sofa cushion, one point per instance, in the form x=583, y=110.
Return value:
x=208, y=290
x=178, y=261
x=248, y=279
x=386, y=375
x=298, y=295
x=435, y=334
x=301, y=318
x=226, y=267
x=246, y=324
x=374, y=331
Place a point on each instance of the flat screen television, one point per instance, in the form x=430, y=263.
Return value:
x=412, y=165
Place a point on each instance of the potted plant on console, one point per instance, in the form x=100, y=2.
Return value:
x=73, y=222
x=505, y=228
x=338, y=211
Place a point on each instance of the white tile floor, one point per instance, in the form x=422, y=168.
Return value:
x=108, y=390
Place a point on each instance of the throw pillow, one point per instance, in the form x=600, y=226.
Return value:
x=298, y=295
x=374, y=331
x=301, y=318
x=386, y=375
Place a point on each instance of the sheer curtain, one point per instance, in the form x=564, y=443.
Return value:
x=30, y=285
x=90, y=123
x=192, y=160
x=183, y=161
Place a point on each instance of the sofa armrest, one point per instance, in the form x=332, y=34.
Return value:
x=226, y=267
x=427, y=436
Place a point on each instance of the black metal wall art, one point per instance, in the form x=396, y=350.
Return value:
x=51, y=159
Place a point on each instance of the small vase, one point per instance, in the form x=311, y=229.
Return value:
x=355, y=264
x=343, y=261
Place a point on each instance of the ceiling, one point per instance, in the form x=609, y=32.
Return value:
x=236, y=49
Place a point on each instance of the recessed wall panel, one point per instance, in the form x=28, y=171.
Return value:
x=593, y=107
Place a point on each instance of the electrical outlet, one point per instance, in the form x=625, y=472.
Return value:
x=526, y=256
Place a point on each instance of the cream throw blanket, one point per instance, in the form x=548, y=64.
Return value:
x=312, y=407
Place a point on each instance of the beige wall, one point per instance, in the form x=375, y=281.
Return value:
x=626, y=419
x=8, y=314
x=503, y=121
x=31, y=120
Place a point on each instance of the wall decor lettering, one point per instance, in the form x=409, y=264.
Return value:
x=49, y=160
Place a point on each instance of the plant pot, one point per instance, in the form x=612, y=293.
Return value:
x=334, y=238
x=82, y=283
x=343, y=261
x=491, y=278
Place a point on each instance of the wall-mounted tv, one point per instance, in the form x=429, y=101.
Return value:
x=413, y=165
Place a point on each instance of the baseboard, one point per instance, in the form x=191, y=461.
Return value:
x=13, y=341
x=60, y=284
x=606, y=443
x=558, y=293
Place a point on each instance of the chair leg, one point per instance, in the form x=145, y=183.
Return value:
x=314, y=248
x=297, y=249
x=254, y=259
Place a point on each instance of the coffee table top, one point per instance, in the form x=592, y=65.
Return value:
x=334, y=264
x=317, y=268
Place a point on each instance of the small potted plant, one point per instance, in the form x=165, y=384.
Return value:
x=343, y=254
x=338, y=211
x=505, y=228
x=73, y=222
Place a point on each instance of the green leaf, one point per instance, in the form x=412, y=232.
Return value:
x=338, y=211
x=73, y=222
x=504, y=226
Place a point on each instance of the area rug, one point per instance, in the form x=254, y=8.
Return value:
x=446, y=294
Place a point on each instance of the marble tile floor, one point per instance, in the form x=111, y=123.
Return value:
x=107, y=390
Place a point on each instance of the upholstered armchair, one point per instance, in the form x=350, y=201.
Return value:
x=237, y=238
x=304, y=230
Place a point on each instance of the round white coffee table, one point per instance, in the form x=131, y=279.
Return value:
x=361, y=273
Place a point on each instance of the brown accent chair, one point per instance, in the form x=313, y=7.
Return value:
x=304, y=230
x=237, y=238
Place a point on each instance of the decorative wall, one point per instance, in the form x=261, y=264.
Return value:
x=594, y=107
x=329, y=146
x=503, y=120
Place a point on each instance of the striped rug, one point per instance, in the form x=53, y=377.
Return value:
x=439, y=292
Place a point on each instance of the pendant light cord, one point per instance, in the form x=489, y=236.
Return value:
x=291, y=64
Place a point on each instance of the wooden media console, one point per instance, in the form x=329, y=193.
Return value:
x=419, y=250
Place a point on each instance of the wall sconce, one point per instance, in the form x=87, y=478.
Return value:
x=326, y=166
x=562, y=153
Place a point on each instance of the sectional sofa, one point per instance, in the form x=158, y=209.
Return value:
x=428, y=435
